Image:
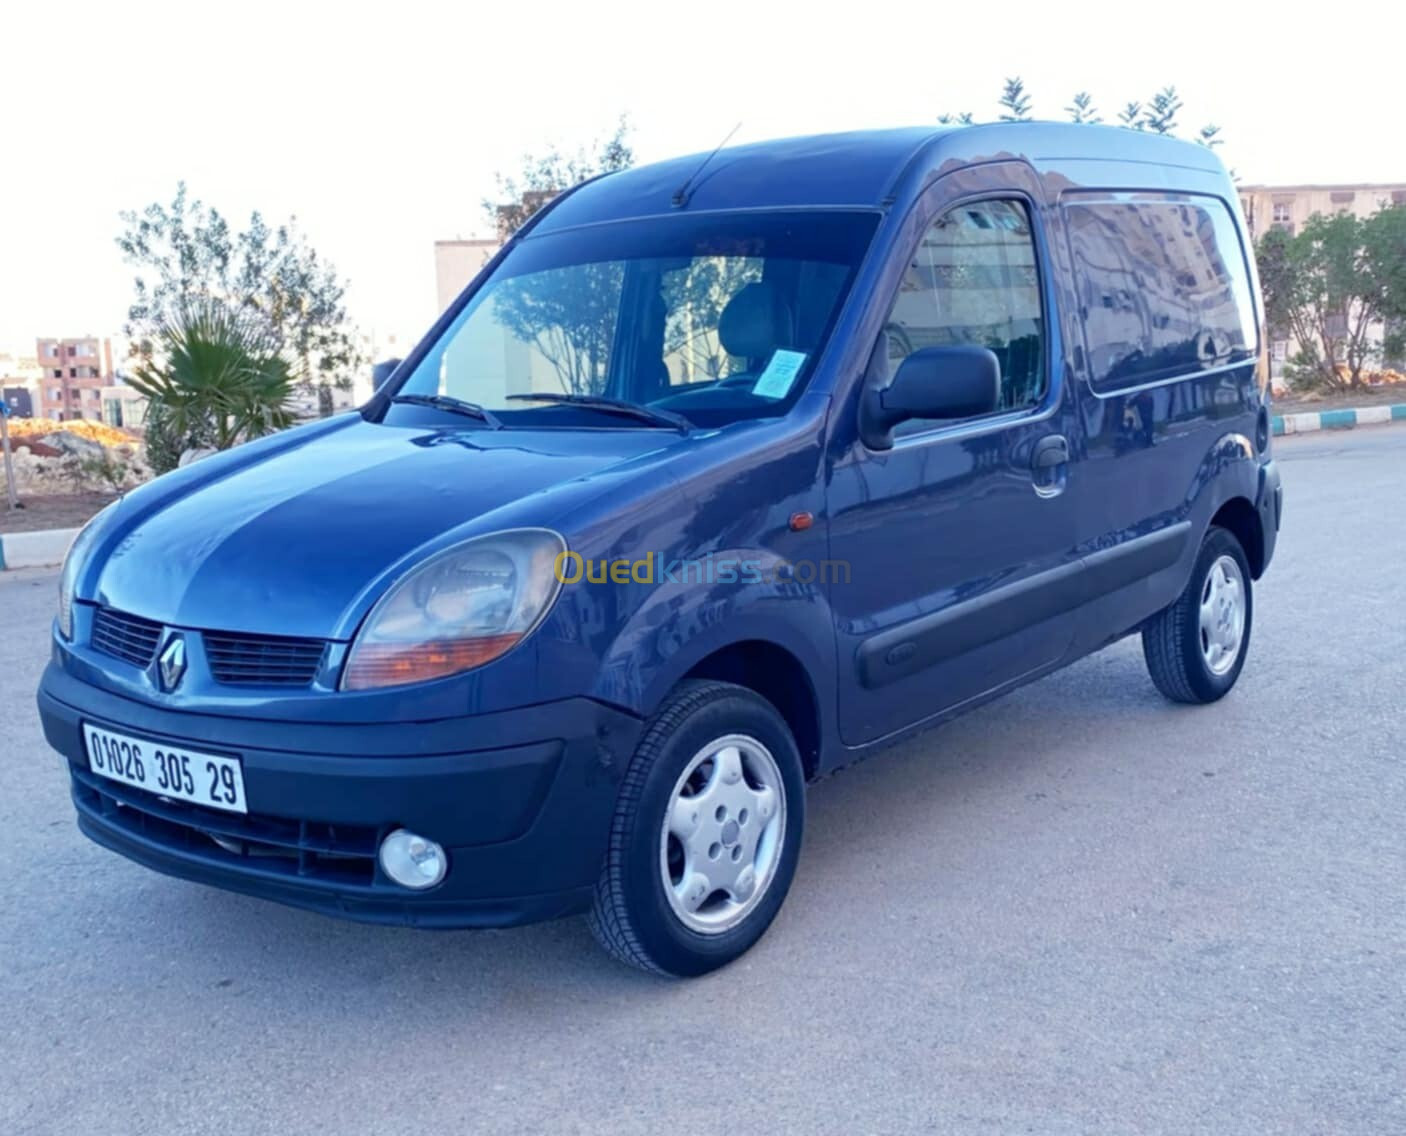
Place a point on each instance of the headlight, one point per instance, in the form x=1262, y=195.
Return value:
x=72, y=565
x=460, y=609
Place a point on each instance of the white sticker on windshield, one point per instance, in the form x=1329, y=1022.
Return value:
x=780, y=373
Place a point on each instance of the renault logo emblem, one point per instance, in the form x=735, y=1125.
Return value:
x=171, y=666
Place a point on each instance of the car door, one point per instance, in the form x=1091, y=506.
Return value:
x=1168, y=328
x=957, y=545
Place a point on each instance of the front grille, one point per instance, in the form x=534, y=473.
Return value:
x=235, y=659
x=255, y=660
x=318, y=850
x=126, y=637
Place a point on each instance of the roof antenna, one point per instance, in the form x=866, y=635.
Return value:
x=680, y=198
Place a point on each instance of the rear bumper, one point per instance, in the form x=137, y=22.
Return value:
x=522, y=805
x=1270, y=504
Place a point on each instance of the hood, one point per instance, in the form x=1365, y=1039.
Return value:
x=284, y=539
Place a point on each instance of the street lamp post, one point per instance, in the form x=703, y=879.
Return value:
x=10, y=493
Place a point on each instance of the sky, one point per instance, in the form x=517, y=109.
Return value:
x=381, y=126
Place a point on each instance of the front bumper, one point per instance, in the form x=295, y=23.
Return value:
x=521, y=800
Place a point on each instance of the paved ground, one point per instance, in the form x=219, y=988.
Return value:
x=1078, y=910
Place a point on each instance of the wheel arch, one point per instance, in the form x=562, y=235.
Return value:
x=1242, y=520
x=774, y=673
x=1224, y=490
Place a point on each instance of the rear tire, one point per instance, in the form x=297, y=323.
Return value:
x=706, y=833
x=1195, y=648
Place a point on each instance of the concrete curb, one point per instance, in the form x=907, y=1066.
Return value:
x=42, y=549
x=1337, y=419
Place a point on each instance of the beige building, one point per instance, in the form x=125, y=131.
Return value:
x=1289, y=206
x=19, y=368
x=457, y=262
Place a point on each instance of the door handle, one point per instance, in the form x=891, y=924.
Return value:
x=1050, y=452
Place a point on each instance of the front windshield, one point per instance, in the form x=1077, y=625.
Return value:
x=712, y=317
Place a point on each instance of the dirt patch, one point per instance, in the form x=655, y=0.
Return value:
x=1342, y=400
x=53, y=511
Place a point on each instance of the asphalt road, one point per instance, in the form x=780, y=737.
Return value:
x=1080, y=909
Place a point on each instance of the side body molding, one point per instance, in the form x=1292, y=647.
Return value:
x=929, y=639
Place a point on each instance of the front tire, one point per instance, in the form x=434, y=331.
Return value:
x=1195, y=648
x=706, y=833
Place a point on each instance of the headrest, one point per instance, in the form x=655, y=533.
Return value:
x=755, y=322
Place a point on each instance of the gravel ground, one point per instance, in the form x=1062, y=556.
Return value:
x=52, y=511
x=1342, y=400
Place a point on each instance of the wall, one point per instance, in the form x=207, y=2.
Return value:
x=456, y=263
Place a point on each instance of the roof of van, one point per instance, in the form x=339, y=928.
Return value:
x=860, y=169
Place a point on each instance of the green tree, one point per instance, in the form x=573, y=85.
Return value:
x=164, y=444
x=1082, y=110
x=1385, y=259
x=569, y=316
x=216, y=374
x=1131, y=116
x=1015, y=101
x=1329, y=287
x=187, y=255
x=1160, y=117
x=545, y=175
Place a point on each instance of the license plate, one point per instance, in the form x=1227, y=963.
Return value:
x=181, y=774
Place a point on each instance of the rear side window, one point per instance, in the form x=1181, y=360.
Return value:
x=1163, y=286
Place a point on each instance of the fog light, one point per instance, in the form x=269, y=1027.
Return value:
x=412, y=861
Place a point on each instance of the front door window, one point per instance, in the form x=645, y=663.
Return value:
x=974, y=280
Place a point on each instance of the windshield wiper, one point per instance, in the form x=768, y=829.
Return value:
x=612, y=406
x=453, y=405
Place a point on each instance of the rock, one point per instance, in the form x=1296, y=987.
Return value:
x=35, y=474
x=70, y=443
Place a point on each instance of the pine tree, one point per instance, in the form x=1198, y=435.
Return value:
x=1082, y=109
x=1161, y=115
x=1016, y=102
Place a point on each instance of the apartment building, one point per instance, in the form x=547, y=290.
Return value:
x=73, y=373
x=1289, y=206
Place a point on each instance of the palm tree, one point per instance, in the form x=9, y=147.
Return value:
x=217, y=375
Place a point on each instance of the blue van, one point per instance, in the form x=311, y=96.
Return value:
x=725, y=473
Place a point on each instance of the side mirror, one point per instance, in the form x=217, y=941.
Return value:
x=936, y=382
